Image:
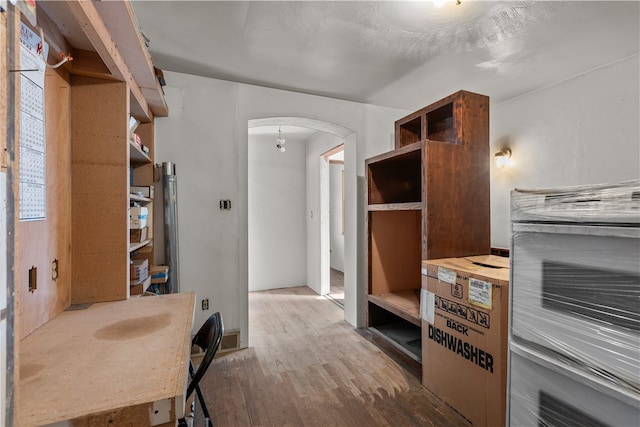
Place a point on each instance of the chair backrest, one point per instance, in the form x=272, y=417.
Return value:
x=208, y=339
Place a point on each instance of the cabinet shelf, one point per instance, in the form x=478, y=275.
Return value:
x=141, y=199
x=404, y=304
x=411, y=206
x=136, y=246
x=137, y=156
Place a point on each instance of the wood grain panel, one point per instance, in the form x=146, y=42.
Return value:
x=456, y=217
x=93, y=281
x=99, y=161
x=405, y=304
x=394, y=250
x=105, y=365
x=42, y=242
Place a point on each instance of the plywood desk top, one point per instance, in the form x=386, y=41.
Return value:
x=115, y=362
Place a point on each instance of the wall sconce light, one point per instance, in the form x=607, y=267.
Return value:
x=280, y=142
x=503, y=158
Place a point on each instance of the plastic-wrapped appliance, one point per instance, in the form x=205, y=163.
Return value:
x=575, y=305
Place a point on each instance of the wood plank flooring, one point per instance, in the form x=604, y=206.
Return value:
x=336, y=287
x=307, y=367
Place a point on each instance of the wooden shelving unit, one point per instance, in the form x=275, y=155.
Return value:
x=112, y=78
x=141, y=174
x=427, y=199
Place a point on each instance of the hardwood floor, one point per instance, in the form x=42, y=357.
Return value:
x=336, y=287
x=307, y=367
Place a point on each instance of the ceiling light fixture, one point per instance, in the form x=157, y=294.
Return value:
x=503, y=158
x=280, y=142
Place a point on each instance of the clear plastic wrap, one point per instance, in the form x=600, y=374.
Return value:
x=543, y=391
x=575, y=285
x=605, y=203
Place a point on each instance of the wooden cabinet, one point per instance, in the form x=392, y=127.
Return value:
x=427, y=199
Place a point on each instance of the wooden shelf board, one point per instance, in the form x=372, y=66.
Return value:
x=136, y=198
x=136, y=246
x=416, y=146
x=405, y=304
x=111, y=30
x=134, y=52
x=409, y=206
x=136, y=155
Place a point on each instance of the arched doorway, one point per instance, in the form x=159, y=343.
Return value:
x=328, y=136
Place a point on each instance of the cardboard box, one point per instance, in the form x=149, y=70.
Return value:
x=138, y=270
x=159, y=273
x=137, y=235
x=139, y=288
x=464, y=310
x=138, y=216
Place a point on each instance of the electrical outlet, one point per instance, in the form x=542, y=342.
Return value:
x=225, y=205
x=205, y=304
x=54, y=269
x=33, y=279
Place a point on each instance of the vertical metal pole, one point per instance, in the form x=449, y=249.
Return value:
x=170, y=186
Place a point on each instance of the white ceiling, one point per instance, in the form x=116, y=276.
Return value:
x=403, y=54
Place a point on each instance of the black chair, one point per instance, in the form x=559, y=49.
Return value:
x=208, y=339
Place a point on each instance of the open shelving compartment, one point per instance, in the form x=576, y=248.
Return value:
x=141, y=174
x=394, y=222
x=434, y=123
x=395, y=251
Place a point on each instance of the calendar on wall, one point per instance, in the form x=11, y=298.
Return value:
x=33, y=194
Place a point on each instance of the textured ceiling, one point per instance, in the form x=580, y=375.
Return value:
x=395, y=53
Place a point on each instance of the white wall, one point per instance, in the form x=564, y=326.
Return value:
x=206, y=136
x=200, y=137
x=277, y=214
x=335, y=211
x=318, y=181
x=584, y=130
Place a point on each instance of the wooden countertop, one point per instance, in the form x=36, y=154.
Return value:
x=115, y=362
